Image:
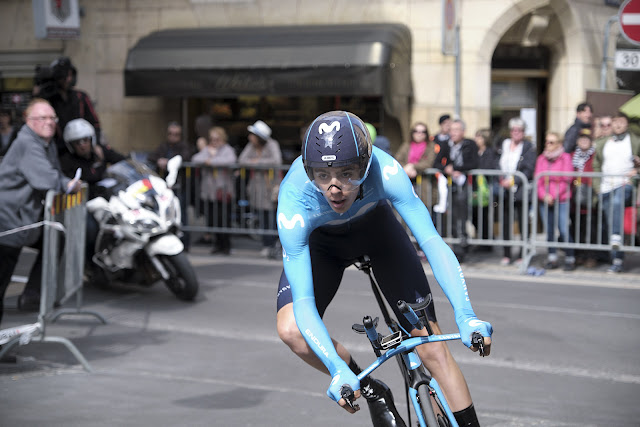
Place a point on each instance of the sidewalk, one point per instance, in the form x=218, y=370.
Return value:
x=487, y=265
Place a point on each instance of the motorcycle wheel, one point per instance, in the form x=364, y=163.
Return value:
x=182, y=281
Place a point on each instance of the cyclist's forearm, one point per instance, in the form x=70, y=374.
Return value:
x=315, y=334
x=448, y=273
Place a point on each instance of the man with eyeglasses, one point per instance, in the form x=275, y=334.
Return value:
x=29, y=169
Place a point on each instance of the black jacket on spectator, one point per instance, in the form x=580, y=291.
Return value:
x=571, y=136
x=467, y=158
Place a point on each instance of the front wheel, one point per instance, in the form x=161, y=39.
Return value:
x=424, y=398
x=182, y=279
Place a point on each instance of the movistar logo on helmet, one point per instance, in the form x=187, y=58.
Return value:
x=332, y=128
x=325, y=128
x=330, y=158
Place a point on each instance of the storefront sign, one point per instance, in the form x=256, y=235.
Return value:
x=56, y=19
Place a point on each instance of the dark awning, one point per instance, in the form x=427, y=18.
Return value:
x=367, y=59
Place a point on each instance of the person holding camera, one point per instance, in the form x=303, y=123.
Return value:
x=56, y=85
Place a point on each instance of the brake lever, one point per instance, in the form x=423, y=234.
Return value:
x=477, y=341
x=349, y=396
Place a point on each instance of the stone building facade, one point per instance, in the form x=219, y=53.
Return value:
x=540, y=55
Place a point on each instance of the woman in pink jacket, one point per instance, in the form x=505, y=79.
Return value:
x=554, y=192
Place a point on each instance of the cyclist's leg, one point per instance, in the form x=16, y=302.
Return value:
x=401, y=276
x=327, y=274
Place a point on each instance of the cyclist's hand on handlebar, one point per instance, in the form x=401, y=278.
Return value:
x=340, y=379
x=472, y=324
x=349, y=398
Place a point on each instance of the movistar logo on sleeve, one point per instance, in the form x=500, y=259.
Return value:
x=289, y=224
x=387, y=171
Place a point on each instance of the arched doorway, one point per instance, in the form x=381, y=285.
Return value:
x=520, y=72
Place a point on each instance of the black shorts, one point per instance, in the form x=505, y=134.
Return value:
x=394, y=261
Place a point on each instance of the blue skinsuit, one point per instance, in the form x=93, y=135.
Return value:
x=302, y=209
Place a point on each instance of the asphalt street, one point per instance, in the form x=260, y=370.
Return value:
x=566, y=352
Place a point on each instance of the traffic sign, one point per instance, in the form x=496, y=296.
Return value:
x=629, y=18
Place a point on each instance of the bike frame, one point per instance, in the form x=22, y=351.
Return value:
x=405, y=349
x=413, y=363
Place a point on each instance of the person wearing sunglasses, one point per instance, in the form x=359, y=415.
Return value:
x=29, y=169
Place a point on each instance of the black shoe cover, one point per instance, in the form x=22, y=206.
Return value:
x=380, y=401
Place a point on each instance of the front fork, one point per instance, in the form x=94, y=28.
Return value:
x=418, y=376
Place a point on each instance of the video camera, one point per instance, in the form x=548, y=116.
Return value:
x=50, y=79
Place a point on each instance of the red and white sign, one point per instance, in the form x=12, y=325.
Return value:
x=56, y=19
x=450, y=22
x=629, y=18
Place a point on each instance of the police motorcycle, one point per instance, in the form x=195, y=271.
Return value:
x=139, y=218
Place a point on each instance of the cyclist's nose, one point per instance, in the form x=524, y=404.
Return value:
x=334, y=185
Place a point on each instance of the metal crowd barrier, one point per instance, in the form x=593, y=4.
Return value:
x=477, y=212
x=229, y=207
x=63, y=227
x=586, y=214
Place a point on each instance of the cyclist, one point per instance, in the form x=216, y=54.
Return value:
x=334, y=206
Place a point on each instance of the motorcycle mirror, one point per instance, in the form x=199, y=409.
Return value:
x=173, y=165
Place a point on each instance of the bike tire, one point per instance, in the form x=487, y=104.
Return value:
x=182, y=281
x=424, y=398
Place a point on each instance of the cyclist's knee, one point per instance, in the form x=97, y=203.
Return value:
x=288, y=331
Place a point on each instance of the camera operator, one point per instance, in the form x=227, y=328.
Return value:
x=56, y=84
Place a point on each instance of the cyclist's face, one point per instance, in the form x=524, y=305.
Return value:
x=337, y=185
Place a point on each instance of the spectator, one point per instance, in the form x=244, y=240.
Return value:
x=554, y=194
x=6, y=131
x=487, y=160
x=417, y=155
x=582, y=204
x=173, y=146
x=92, y=159
x=262, y=150
x=617, y=155
x=28, y=171
x=68, y=102
x=382, y=142
x=516, y=155
x=420, y=154
x=602, y=127
x=584, y=114
x=463, y=157
x=216, y=188
x=443, y=134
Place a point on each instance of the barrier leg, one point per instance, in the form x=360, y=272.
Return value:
x=77, y=310
x=73, y=349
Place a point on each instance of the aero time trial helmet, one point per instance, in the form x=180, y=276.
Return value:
x=337, y=139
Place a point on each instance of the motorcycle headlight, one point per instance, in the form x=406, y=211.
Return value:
x=145, y=225
x=173, y=212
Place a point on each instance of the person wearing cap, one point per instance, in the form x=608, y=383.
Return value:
x=619, y=157
x=336, y=205
x=262, y=151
